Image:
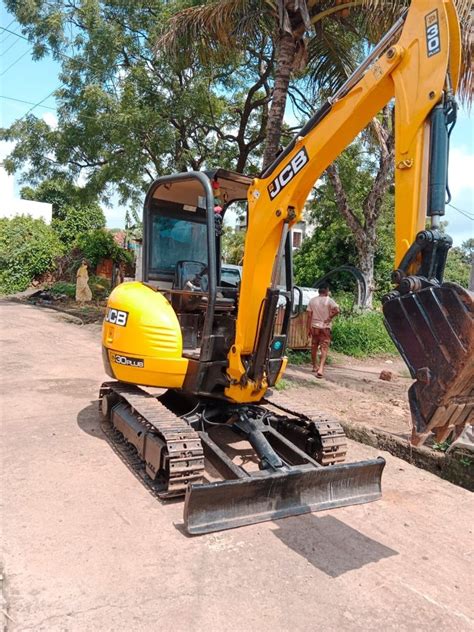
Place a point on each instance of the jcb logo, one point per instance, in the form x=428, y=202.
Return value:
x=116, y=317
x=433, y=43
x=287, y=174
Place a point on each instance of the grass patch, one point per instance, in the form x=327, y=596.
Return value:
x=298, y=357
x=61, y=287
x=441, y=447
x=361, y=335
x=282, y=385
x=100, y=288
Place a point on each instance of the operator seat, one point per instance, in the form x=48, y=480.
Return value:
x=188, y=276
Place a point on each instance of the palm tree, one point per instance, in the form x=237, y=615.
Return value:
x=306, y=34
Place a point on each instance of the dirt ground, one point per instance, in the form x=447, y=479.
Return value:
x=352, y=390
x=87, y=547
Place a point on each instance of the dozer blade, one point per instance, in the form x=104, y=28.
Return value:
x=228, y=504
x=434, y=331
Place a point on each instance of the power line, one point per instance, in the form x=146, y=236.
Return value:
x=15, y=62
x=467, y=214
x=36, y=105
x=5, y=28
x=50, y=50
x=11, y=46
x=48, y=107
x=9, y=24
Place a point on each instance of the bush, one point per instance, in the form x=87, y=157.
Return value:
x=100, y=244
x=346, y=302
x=68, y=264
x=28, y=249
x=62, y=287
x=298, y=357
x=458, y=267
x=99, y=286
x=361, y=335
x=76, y=220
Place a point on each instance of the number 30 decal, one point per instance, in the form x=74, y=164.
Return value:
x=433, y=43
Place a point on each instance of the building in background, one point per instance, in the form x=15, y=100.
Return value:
x=11, y=205
x=299, y=231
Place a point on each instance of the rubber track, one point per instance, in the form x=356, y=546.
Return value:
x=184, y=452
x=333, y=438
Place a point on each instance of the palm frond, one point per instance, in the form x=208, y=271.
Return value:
x=465, y=9
x=214, y=28
x=333, y=54
x=382, y=14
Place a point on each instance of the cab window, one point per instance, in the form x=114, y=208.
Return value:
x=175, y=239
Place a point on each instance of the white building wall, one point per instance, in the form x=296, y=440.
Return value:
x=37, y=210
x=11, y=205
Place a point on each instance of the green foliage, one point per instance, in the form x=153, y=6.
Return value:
x=78, y=220
x=332, y=243
x=282, y=385
x=99, y=286
x=458, y=267
x=361, y=335
x=73, y=213
x=443, y=446
x=100, y=244
x=233, y=246
x=467, y=249
x=346, y=301
x=63, y=287
x=28, y=249
x=298, y=357
x=127, y=112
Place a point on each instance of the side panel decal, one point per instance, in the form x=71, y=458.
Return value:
x=288, y=172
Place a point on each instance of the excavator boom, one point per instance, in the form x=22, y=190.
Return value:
x=416, y=64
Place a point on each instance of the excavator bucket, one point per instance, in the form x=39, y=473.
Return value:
x=234, y=503
x=433, y=329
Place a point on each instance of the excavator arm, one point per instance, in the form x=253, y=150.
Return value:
x=417, y=64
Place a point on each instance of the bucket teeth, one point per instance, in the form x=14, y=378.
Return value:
x=434, y=331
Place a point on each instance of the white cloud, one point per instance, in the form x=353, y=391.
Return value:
x=461, y=185
x=115, y=214
x=7, y=182
x=50, y=119
x=461, y=171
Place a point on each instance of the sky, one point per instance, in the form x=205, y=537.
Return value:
x=23, y=79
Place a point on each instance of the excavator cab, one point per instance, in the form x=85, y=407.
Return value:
x=183, y=226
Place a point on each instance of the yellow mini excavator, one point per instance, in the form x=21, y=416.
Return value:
x=193, y=357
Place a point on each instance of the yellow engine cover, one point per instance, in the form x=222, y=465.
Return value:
x=141, y=338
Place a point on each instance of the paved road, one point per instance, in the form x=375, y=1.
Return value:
x=86, y=547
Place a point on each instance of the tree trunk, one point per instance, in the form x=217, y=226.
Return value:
x=365, y=237
x=365, y=233
x=284, y=66
x=366, y=252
